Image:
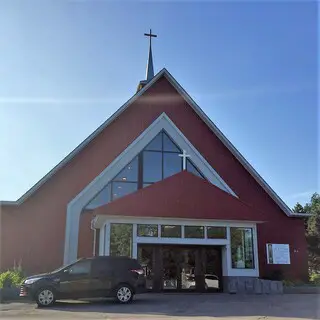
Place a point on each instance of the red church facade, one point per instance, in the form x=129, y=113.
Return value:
x=218, y=203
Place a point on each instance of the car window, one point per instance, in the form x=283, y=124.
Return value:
x=126, y=264
x=101, y=267
x=81, y=267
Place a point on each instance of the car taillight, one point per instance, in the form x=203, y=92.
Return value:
x=138, y=271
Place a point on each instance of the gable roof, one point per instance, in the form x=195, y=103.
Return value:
x=164, y=72
x=183, y=195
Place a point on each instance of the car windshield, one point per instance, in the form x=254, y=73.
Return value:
x=63, y=267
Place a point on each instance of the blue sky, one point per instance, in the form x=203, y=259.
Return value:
x=66, y=66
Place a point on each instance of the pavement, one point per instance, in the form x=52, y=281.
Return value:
x=176, y=306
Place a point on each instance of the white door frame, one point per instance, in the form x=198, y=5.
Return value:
x=227, y=269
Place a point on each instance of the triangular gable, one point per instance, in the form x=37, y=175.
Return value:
x=201, y=114
x=159, y=159
x=183, y=195
x=162, y=123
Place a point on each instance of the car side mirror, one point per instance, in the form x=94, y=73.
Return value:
x=66, y=270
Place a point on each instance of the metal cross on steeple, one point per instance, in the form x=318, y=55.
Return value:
x=150, y=72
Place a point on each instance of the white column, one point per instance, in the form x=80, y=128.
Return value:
x=71, y=235
x=255, y=250
x=107, y=240
x=224, y=257
x=101, y=241
x=134, y=242
x=228, y=253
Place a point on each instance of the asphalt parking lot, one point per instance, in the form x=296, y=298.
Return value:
x=176, y=306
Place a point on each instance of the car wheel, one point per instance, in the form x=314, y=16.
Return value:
x=124, y=294
x=45, y=297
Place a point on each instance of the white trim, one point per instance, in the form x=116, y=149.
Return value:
x=224, y=243
x=255, y=249
x=234, y=272
x=107, y=239
x=76, y=205
x=182, y=240
x=101, y=241
x=134, y=242
x=101, y=219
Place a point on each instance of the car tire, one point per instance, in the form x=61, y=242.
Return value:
x=124, y=294
x=45, y=297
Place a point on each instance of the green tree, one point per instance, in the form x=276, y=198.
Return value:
x=312, y=225
x=298, y=208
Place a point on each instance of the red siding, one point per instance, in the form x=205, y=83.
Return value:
x=183, y=195
x=41, y=219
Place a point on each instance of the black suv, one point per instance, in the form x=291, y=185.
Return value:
x=104, y=276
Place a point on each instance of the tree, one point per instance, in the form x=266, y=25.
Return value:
x=298, y=208
x=312, y=225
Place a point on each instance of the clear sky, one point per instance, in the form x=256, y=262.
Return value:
x=66, y=66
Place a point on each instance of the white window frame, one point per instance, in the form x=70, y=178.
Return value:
x=227, y=269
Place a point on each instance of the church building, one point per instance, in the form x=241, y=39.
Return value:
x=157, y=181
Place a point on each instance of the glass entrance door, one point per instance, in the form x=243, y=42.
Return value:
x=176, y=267
x=171, y=268
x=146, y=259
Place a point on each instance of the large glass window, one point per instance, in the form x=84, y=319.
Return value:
x=242, y=248
x=169, y=145
x=152, y=166
x=121, y=189
x=121, y=239
x=155, y=144
x=101, y=198
x=158, y=160
x=171, y=164
x=194, y=232
x=171, y=231
x=147, y=230
x=192, y=168
x=216, y=232
x=129, y=173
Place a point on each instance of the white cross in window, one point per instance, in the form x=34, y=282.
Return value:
x=184, y=157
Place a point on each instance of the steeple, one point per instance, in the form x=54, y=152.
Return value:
x=149, y=71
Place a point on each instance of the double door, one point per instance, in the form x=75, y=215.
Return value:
x=179, y=268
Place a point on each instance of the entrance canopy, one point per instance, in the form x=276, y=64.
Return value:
x=183, y=195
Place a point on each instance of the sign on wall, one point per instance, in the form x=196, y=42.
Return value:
x=278, y=253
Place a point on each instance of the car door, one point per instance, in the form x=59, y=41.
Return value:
x=102, y=277
x=75, y=281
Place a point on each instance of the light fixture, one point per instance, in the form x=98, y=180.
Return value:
x=124, y=178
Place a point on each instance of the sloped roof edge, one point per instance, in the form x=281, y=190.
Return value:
x=201, y=114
